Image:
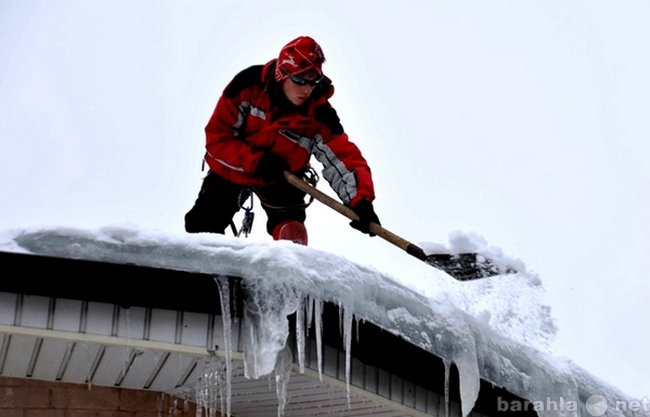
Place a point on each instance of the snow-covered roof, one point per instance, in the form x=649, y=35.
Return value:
x=496, y=329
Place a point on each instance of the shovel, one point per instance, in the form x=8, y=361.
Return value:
x=462, y=266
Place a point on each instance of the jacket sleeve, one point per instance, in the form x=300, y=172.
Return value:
x=344, y=167
x=225, y=150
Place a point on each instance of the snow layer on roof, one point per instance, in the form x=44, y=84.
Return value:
x=497, y=329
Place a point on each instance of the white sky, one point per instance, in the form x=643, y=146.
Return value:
x=525, y=122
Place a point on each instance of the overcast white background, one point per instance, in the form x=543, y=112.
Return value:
x=526, y=122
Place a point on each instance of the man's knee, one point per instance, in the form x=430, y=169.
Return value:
x=292, y=230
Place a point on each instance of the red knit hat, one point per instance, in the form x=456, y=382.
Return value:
x=299, y=56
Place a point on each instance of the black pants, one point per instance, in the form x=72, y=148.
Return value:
x=219, y=200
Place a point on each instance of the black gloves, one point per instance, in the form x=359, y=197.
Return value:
x=271, y=167
x=366, y=214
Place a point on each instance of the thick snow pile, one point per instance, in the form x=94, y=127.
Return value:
x=498, y=329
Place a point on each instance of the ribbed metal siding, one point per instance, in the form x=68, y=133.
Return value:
x=163, y=350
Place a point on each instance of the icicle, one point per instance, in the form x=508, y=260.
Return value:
x=341, y=320
x=447, y=364
x=266, y=325
x=310, y=311
x=224, y=296
x=250, y=334
x=347, y=337
x=469, y=380
x=283, y=367
x=209, y=390
x=300, y=335
x=127, y=352
x=356, y=333
x=318, y=312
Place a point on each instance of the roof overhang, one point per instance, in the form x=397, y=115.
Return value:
x=131, y=326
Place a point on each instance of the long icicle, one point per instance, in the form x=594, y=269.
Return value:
x=224, y=295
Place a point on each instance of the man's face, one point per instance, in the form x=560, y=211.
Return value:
x=299, y=88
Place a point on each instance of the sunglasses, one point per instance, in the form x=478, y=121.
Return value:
x=302, y=81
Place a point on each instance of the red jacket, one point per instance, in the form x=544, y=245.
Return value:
x=253, y=116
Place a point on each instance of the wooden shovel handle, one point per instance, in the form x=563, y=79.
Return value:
x=375, y=228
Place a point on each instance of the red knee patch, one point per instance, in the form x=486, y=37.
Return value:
x=291, y=230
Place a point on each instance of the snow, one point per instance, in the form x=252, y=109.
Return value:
x=499, y=329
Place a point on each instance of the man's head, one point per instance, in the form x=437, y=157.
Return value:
x=302, y=58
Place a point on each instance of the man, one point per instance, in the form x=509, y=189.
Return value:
x=271, y=118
